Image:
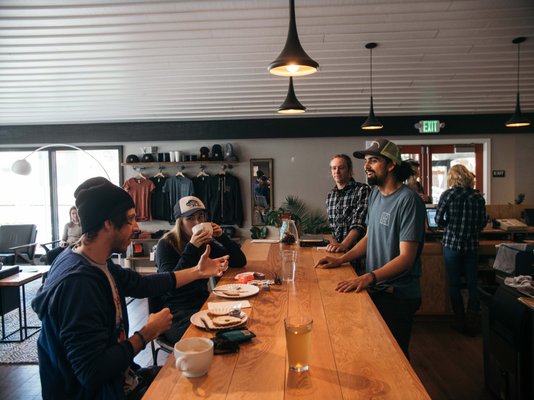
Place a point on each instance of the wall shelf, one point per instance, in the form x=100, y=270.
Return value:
x=159, y=164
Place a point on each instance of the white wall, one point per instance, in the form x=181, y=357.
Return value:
x=301, y=165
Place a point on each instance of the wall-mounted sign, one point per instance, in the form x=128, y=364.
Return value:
x=429, y=126
x=498, y=173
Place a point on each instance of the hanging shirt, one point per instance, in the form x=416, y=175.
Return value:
x=225, y=202
x=160, y=203
x=202, y=191
x=140, y=189
x=177, y=187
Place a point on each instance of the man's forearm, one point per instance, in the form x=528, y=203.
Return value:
x=352, y=237
x=356, y=252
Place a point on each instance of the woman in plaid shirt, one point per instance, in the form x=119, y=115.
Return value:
x=461, y=211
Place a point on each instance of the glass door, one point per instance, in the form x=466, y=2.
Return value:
x=436, y=160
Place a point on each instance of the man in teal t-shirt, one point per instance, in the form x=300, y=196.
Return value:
x=393, y=243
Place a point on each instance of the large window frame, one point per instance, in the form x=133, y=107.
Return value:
x=53, y=201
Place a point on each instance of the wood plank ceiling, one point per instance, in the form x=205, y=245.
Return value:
x=87, y=61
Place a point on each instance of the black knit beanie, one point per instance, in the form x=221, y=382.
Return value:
x=97, y=200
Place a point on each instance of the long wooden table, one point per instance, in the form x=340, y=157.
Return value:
x=354, y=355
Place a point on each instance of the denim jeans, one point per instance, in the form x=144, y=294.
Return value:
x=460, y=263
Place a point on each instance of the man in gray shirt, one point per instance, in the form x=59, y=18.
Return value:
x=393, y=242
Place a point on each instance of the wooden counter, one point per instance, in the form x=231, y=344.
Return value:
x=354, y=356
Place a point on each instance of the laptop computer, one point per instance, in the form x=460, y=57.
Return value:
x=431, y=219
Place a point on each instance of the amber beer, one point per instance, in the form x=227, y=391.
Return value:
x=298, y=340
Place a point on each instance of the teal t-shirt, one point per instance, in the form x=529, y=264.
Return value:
x=398, y=217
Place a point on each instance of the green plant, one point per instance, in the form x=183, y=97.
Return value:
x=312, y=222
x=257, y=232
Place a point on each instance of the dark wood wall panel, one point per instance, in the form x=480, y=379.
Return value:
x=251, y=128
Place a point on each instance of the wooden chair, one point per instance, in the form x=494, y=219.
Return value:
x=155, y=304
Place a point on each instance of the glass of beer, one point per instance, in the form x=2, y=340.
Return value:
x=298, y=341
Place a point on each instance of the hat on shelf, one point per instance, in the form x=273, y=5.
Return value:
x=381, y=147
x=204, y=153
x=147, y=157
x=229, y=153
x=216, y=152
x=187, y=206
x=132, y=158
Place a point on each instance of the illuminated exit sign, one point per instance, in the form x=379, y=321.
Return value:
x=429, y=126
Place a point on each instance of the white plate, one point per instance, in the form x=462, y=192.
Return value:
x=195, y=320
x=243, y=289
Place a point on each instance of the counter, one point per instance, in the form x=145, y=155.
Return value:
x=354, y=355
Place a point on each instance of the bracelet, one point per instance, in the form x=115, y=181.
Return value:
x=374, y=278
x=142, y=339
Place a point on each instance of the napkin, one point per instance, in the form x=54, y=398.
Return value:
x=228, y=304
x=264, y=241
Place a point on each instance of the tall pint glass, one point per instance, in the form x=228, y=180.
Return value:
x=298, y=341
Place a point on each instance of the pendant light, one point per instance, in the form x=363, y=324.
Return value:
x=293, y=60
x=518, y=119
x=371, y=122
x=291, y=104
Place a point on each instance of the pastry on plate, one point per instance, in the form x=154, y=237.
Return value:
x=226, y=320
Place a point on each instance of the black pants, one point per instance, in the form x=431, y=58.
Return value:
x=398, y=315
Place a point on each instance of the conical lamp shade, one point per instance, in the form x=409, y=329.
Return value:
x=293, y=60
x=291, y=104
x=371, y=122
x=517, y=119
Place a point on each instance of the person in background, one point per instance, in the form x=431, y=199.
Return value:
x=346, y=206
x=180, y=249
x=72, y=232
x=461, y=212
x=393, y=242
x=84, y=348
x=414, y=182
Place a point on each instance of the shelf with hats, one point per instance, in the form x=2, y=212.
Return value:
x=158, y=164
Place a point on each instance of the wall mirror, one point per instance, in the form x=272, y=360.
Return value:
x=261, y=187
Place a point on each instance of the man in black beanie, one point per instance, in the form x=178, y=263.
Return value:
x=84, y=348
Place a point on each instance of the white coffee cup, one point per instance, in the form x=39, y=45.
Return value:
x=203, y=226
x=193, y=356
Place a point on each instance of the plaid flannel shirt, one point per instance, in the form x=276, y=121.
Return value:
x=347, y=209
x=462, y=213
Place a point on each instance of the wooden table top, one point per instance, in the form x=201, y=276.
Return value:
x=354, y=355
x=20, y=278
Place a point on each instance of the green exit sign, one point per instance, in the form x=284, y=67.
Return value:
x=429, y=126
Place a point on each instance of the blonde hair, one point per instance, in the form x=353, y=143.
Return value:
x=176, y=237
x=460, y=176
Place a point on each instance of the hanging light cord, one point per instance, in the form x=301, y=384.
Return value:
x=371, y=71
x=518, y=51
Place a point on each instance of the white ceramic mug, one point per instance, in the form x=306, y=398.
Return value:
x=204, y=226
x=193, y=356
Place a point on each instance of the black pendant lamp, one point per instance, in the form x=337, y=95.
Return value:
x=371, y=123
x=518, y=119
x=293, y=60
x=291, y=104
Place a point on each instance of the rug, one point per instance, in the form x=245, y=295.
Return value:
x=26, y=351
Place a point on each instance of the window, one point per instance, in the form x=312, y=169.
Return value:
x=45, y=196
x=436, y=160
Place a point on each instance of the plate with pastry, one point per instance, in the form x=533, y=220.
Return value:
x=236, y=290
x=218, y=319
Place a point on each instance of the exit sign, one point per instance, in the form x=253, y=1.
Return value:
x=429, y=126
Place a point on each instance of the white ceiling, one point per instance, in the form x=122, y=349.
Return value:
x=87, y=61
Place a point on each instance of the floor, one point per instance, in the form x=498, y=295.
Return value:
x=449, y=364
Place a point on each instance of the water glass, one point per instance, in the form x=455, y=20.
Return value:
x=289, y=264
